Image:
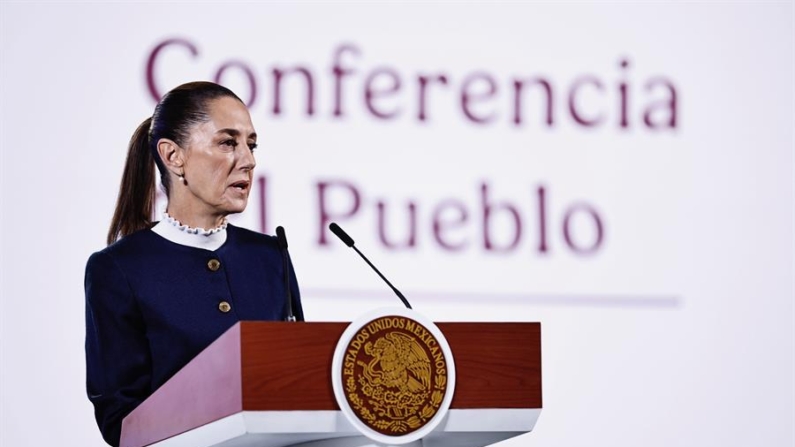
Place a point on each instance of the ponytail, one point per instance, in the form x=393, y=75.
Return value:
x=135, y=205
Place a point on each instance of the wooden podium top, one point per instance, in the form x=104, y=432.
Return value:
x=279, y=366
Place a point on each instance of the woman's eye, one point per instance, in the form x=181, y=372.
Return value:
x=230, y=143
x=252, y=146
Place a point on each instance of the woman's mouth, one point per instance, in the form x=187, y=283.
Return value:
x=241, y=186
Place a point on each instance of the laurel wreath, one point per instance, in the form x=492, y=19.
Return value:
x=395, y=426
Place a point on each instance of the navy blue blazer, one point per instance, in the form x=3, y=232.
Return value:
x=152, y=305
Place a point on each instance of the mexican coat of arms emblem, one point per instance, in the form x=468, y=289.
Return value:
x=393, y=376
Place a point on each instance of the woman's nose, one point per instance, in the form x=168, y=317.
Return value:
x=247, y=161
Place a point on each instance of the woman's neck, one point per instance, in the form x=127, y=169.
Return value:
x=195, y=219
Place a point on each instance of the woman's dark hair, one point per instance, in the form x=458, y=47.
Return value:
x=178, y=111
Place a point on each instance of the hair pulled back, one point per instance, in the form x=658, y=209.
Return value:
x=178, y=111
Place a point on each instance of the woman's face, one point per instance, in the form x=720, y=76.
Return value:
x=218, y=160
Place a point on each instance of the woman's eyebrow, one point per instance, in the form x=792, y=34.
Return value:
x=235, y=133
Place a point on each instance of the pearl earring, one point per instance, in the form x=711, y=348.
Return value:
x=182, y=179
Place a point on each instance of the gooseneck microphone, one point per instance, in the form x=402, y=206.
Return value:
x=281, y=239
x=349, y=242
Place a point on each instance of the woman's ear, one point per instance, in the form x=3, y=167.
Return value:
x=172, y=154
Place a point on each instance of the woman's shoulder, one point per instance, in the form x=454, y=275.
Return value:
x=132, y=244
x=110, y=262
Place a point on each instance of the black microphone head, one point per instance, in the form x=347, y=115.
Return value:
x=281, y=238
x=341, y=234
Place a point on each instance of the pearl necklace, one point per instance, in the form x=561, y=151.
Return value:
x=189, y=230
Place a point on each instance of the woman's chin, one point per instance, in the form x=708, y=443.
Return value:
x=234, y=206
x=236, y=209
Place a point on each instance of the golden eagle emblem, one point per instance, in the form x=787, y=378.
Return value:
x=398, y=362
x=395, y=375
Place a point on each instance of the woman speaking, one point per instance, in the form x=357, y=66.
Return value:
x=161, y=292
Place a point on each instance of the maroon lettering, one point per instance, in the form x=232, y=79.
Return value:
x=573, y=109
x=448, y=216
x=371, y=93
x=471, y=95
x=518, y=86
x=401, y=227
x=278, y=74
x=339, y=73
x=411, y=238
x=489, y=209
x=327, y=216
x=623, y=100
x=567, y=231
x=588, y=100
x=542, y=219
x=664, y=106
x=154, y=91
x=424, y=81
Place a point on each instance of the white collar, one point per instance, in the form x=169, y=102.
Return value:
x=172, y=230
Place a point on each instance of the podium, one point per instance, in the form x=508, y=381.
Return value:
x=268, y=384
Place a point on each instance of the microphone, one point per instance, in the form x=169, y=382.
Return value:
x=340, y=233
x=281, y=239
